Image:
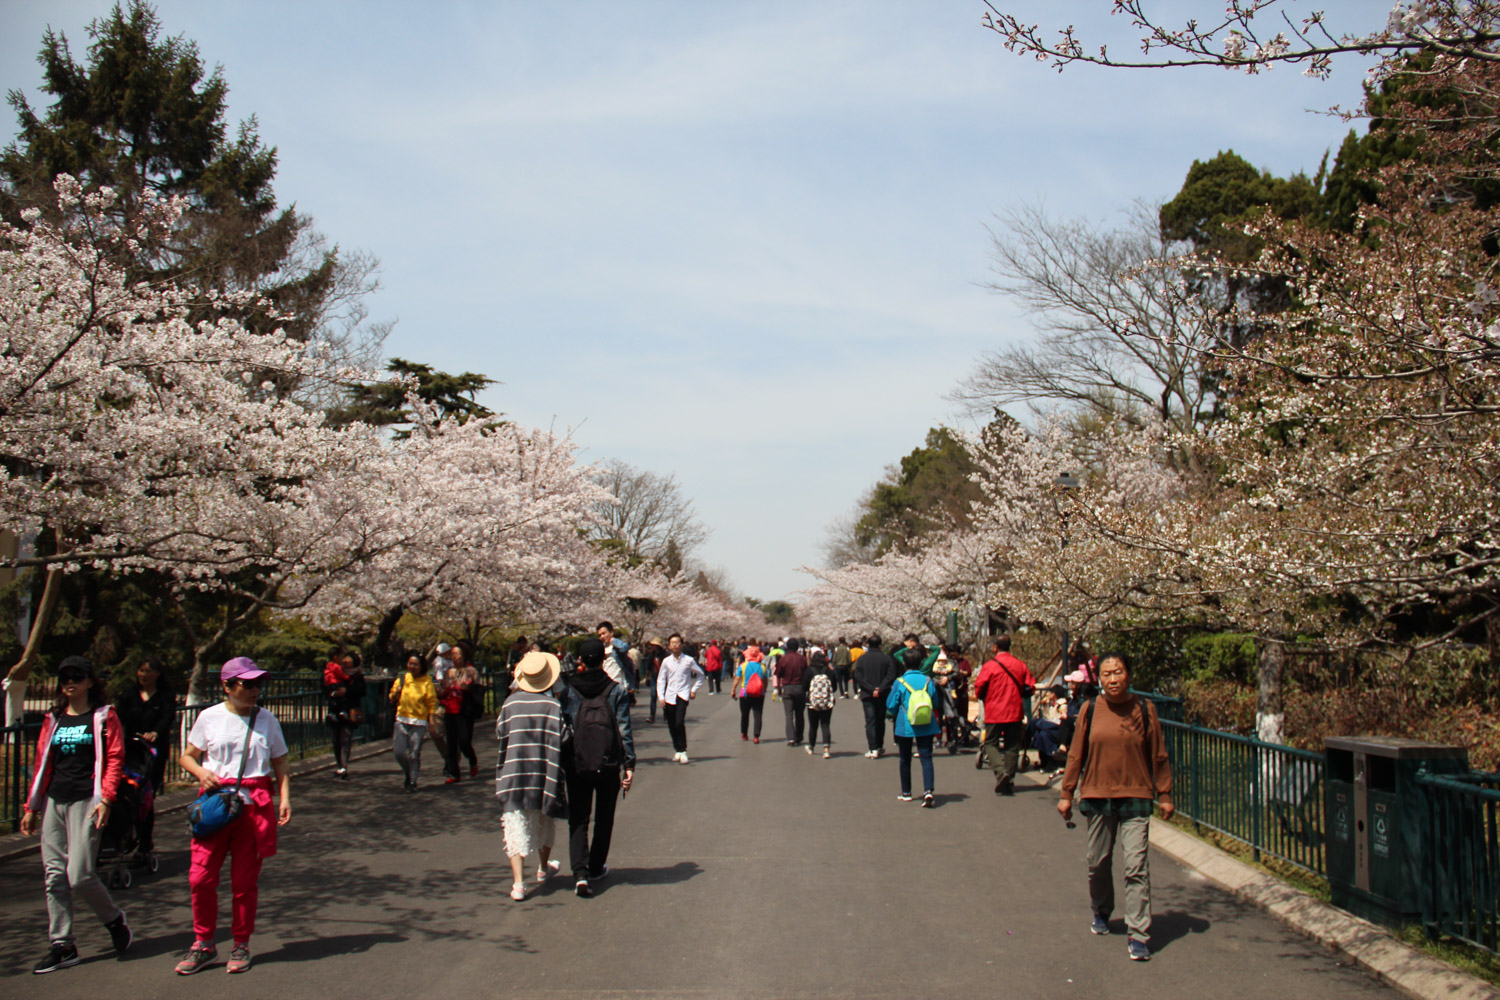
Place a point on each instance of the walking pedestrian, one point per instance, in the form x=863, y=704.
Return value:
x=1003, y=685
x=916, y=727
x=750, y=683
x=713, y=666
x=458, y=715
x=148, y=711
x=652, y=653
x=529, y=777
x=822, y=691
x=339, y=688
x=80, y=760
x=842, y=664
x=790, y=672
x=235, y=743
x=874, y=673
x=415, y=697
x=677, y=683
x=599, y=762
x=1118, y=767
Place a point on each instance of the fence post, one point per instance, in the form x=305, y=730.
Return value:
x=1256, y=800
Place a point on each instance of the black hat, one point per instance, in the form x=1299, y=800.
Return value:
x=82, y=663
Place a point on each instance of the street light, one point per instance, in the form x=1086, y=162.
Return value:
x=1065, y=481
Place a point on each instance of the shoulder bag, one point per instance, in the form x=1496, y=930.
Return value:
x=213, y=811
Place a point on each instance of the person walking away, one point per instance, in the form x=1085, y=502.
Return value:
x=713, y=666
x=336, y=690
x=148, y=712
x=874, y=673
x=225, y=737
x=458, y=719
x=790, y=673
x=529, y=777
x=841, y=666
x=652, y=653
x=750, y=683
x=677, y=683
x=80, y=761
x=1120, y=766
x=1004, y=682
x=822, y=691
x=912, y=703
x=415, y=697
x=598, y=762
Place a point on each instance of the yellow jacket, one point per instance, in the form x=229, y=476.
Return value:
x=418, y=697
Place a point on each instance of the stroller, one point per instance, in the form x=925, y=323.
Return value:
x=120, y=847
x=953, y=700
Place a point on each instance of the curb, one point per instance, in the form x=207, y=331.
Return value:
x=1394, y=962
x=1370, y=946
x=15, y=845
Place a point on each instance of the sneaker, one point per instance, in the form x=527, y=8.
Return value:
x=756, y=740
x=869, y=755
x=1137, y=951
x=581, y=888
x=827, y=752
x=548, y=870
x=1100, y=924
x=239, y=958
x=409, y=787
x=196, y=959
x=452, y=779
x=474, y=771
x=59, y=956
x=792, y=743
x=927, y=800
x=119, y=933
x=904, y=797
x=809, y=750
x=601, y=874
x=682, y=757
x=339, y=772
x=744, y=737
x=518, y=891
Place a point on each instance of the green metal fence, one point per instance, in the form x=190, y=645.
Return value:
x=1461, y=875
x=1267, y=796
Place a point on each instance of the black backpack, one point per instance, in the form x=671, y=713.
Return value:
x=596, y=735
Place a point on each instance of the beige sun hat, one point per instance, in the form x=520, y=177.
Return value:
x=537, y=672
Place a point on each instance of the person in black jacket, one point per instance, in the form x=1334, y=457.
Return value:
x=874, y=673
x=594, y=790
x=148, y=709
x=345, y=698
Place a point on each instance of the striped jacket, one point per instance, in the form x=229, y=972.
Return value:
x=529, y=774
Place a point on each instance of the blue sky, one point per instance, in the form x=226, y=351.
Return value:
x=742, y=243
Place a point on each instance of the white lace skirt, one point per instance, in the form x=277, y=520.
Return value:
x=527, y=831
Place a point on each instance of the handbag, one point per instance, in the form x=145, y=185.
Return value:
x=213, y=811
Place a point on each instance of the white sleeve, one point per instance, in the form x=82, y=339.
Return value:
x=198, y=735
x=275, y=741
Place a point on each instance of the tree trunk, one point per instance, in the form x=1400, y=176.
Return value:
x=1269, y=715
x=386, y=656
x=19, y=675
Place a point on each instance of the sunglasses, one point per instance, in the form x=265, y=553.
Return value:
x=73, y=678
x=254, y=684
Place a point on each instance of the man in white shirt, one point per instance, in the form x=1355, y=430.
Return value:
x=676, y=685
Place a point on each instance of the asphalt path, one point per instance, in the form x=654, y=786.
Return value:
x=755, y=871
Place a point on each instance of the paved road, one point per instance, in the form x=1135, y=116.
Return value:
x=754, y=872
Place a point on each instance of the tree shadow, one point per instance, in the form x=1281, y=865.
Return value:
x=311, y=949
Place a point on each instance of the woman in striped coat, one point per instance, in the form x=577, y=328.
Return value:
x=530, y=782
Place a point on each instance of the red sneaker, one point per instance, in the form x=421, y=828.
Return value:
x=450, y=781
x=474, y=771
x=757, y=739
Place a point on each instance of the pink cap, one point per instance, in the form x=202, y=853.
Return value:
x=1077, y=677
x=241, y=668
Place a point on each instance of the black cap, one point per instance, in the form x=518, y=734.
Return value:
x=82, y=663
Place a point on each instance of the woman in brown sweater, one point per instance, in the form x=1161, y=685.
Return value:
x=1120, y=760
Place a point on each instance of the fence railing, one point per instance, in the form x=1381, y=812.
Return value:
x=1264, y=795
x=1461, y=880
x=302, y=715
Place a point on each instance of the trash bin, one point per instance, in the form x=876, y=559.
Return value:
x=1372, y=825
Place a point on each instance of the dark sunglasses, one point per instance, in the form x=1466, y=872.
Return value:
x=254, y=685
x=72, y=677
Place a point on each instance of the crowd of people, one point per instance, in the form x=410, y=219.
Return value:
x=566, y=752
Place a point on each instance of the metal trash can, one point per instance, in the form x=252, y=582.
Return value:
x=1372, y=827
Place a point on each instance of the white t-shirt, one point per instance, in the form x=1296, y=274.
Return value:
x=220, y=734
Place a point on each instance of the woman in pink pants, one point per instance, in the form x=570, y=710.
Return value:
x=215, y=747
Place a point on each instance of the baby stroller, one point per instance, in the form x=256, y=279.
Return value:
x=120, y=847
x=953, y=700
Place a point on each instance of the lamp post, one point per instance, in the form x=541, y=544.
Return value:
x=1065, y=481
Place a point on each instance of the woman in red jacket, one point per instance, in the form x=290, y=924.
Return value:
x=80, y=757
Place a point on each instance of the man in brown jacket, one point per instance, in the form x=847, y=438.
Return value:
x=1118, y=765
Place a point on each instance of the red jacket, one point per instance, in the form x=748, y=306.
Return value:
x=109, y=758
x=1002, y=699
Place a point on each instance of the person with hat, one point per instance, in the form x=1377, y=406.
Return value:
x=80, y=760
x=226, y=737
x=529, y=777
x=599, y=762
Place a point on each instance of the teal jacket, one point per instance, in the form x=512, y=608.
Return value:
x=895, y=704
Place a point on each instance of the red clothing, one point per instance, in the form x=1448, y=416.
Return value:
x=713, y=658
x=1002, y=699
x=109, y=758
x=333, y=673
x=248, y=841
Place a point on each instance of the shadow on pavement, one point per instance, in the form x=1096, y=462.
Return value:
x=1173, y=925
x=327, y=947
x=671, y=875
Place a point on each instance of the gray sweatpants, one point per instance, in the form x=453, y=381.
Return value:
x=1134, y=838
x=407, y=743
x=69, y=846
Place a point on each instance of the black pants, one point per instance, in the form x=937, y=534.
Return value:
x=874, y=722
x=676, y=716
x=819, y=717
x=596, y=792
x=459, y=732
x=652, y=703
x=794, y=702
x=715, y=680
x=343, y=743
x=841, y=677
x=748, y=705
